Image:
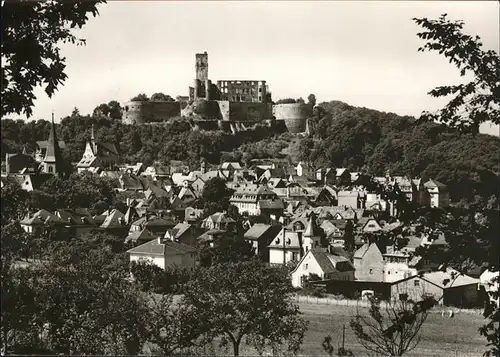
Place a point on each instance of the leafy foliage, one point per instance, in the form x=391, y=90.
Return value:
x=474, y=102
x=216, y=196
x=246, y=299
x=32, y=32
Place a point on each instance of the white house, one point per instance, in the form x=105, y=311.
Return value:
x=246, y=198
x=438, y=192
x=324, y=265
x=165, y=253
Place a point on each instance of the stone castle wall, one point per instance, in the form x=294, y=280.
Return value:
x=294, y=115
x=150, y=112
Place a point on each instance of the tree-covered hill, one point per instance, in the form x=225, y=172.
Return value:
x=361, y=138
x=342, y=136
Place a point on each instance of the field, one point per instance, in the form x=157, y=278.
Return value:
x=441, y=336
x=458, y=336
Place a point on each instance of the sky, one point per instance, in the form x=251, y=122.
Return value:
x=363, y=53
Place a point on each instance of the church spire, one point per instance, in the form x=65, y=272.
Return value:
x=53, y=158
x=93, y=143
x=311, y=229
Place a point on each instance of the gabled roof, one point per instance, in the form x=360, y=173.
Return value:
x=445, y=280
x=256, y=231
x=41, y=217
x=180, y=229
x=113, y=220
x=271, y=204
x=109, y=147
x=434, y=184
x=167, y=248
x=311, y=229
x=142, y=235
x=292, y=240
x=360, y=253
x=327, y=262
x=227, y=165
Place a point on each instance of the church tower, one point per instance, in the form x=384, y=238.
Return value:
x=311, y=237
x=53, y=162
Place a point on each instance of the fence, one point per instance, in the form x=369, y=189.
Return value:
x=304, y=299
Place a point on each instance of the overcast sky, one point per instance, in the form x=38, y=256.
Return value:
x=362, y=53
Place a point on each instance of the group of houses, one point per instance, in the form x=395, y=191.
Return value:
x=306, y=212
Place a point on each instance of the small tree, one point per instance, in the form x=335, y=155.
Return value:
x=245, y=299
x=349, y=244
x=395, y=331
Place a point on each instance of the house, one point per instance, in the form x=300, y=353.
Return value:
x=368, y=225
x=157, y=225
x=334, y=229
x=449, y=288
x=165, y=254
x=136, y=169
x=438, y=193
x=326, y=176
x=369, y=263
x=350, y=199
x=246, y=198
x=325, y=265
x=187, y=195
x=115, y=222
x=17, y=163
x=198, y=185
x=193, y=215
x=210, y=236
x=98, y=155
x=327, y=196
x=271, y=208
x=285, y=247
x=29, y=182
x=156, y=172
x=303, y=169
x=78, y=222
x=293, y=241
x=219, y=220
x=32, y=223
x=342, y=177
x=231, y=167
x=261, y=236
x=184, y=233
x=139, y=236
x=399, y=265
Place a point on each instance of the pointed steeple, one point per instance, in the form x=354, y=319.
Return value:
x=311, y=229
x=92, y=140
x=53, y=157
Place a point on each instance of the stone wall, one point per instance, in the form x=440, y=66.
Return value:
x=150, y=112
x=294, y=115
x=245, y=111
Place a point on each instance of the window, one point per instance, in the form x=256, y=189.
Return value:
x=294, y=256
x=417, y=282
x=371, y=271
x=51, y=169
x=403, y=297
x=306, y=266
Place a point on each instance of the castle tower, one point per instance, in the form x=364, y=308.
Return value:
x=311, y=237
x=53, y=162
x=202, y=66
